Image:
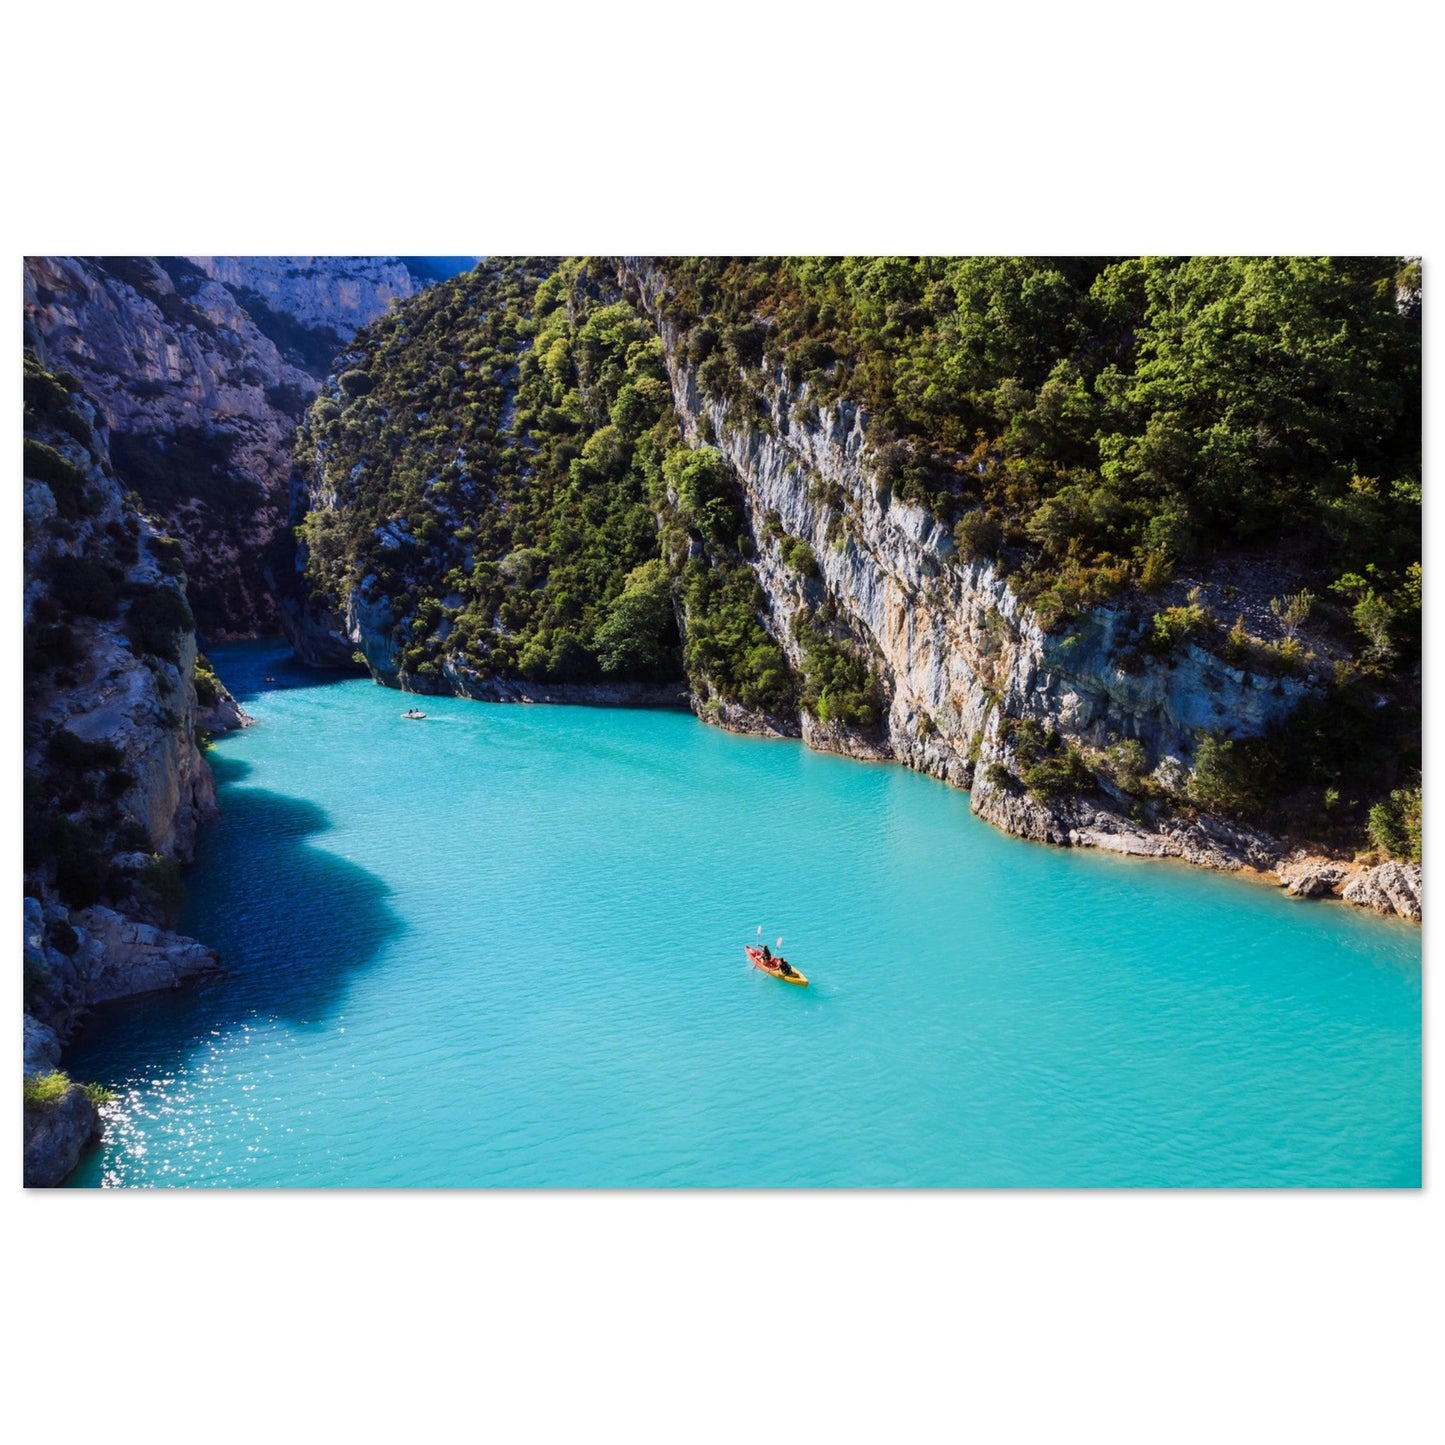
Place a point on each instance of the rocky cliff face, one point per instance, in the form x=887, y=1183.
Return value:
x=963, y=663
x=330, y=295
x=201, y=368
x=115, y=783
x=111, y=647
x=971, y=687
x=956, y=649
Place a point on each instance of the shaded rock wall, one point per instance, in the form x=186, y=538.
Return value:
x=202, y=367
x=328, y=294
x=94, y=691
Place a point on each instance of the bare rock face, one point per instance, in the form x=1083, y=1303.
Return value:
x=335, y=294
x=119, y=957
x=106, y=690
x=739, y=719
x=202, y=408
x=55, y=1137
x=106, y=956
x=42, y=1044
x=1390, y=888
x=201, y=368
x=1082, y=822
x=460, y=680
x=1307, y=876
x=224, y=715
x=852, y=742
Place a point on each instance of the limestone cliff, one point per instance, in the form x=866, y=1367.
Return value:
x=116, y=785
x=1092, y=733
x=963, y=663
x=201, y=368
x=332, y=296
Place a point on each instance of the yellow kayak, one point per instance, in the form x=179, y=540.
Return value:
x=775, y=966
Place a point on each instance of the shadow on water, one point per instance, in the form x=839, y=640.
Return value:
x=251, y=669
x=294, y=925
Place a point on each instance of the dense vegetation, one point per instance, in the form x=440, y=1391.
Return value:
x=1096, y=423
x=511, y=487
x=501, y=450
x=45, y=1091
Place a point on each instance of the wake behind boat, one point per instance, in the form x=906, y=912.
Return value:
x=778, y=967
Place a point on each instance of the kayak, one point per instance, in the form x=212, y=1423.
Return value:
x=755, y=956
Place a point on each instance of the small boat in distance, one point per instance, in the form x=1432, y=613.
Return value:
x=413, y=714
x=778, y=967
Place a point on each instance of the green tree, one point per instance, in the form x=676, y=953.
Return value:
x=1396, y=824
x=638, y=637
x=706, y=492
x=1292, y=611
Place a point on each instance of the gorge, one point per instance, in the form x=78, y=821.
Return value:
x=151, y=489
x=1085, y=729
x=723, y=485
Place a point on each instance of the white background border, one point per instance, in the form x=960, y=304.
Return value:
x=756, y=128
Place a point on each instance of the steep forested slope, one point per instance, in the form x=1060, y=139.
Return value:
x=1225, y=451
x=490, y=465
x=1162, y=516
x=1102, y=423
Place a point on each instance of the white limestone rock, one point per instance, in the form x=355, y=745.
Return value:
x=1390, y=888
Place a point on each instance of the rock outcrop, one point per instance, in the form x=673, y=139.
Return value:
x=116, y=785
x=223, y=714
x=333, y=296
x=111, y=643
x=1390, y=888
x=1308, y=876
x=585, y=694
x=105, y=956
x=56, y=1135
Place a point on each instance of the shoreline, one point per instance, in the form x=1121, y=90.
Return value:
x=1300, y=869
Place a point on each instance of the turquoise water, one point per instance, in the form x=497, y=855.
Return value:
x=505, y=947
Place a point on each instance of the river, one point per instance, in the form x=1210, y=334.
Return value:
x=504, y=946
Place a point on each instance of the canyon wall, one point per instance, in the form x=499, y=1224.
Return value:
x=960, y=659
x=201, y=367
x=1087, y=734
x=116, y=783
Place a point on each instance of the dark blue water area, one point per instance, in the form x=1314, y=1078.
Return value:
x=504, y=946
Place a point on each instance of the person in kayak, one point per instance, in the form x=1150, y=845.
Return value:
x=767, y=954
x=784, y=968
